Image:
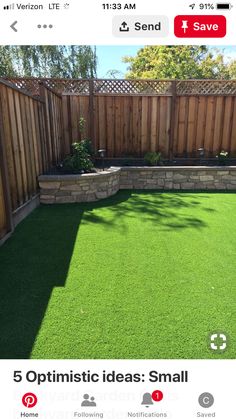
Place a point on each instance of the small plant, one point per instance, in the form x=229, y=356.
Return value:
x=152, y=158
x=82, y=122
x=79, y=161
x=88, y=147
x=223, y=157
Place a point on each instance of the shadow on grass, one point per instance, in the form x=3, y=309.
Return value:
x=166, y=211
x=37, y=257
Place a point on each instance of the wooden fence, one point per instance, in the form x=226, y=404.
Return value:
x=131, y=117
x=31, y=141
x=205, y=121
x=130, y=125
x=39, y=119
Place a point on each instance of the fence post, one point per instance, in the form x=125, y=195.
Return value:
x=172, y=118
x=5, y=177
x=91, y=112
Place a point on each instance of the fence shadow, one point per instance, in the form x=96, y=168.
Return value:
x=33, y=261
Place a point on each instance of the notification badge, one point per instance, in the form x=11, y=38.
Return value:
x=157, y=395
x=29, y=400
x=198, y=26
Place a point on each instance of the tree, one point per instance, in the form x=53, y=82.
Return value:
x=114, y=74
x=6, y=64
x=232, y=69
x=48, y=61
x=178, y=62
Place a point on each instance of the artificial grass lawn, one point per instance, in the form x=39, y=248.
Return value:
x=139, y=275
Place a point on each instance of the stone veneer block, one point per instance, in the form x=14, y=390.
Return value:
x=49, y=185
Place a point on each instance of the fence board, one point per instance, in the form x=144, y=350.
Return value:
x=191, y=124
x=66, y=116
x=54, y=124
x=110, y=129
x=209, y=123
x=6, y=127
x=3, y=219
x=233, y=129
x=218, y=124
x=6, y=221
x=15, y=148
x=132, y=111
x=227, y=124
x=28, y=159
x=154, y=124
x=163, y=125
x=118, y=127
x=21, y=146
x=31, y=145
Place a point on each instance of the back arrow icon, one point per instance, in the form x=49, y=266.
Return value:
x=13, y=26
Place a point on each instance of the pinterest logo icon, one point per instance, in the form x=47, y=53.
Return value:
x=29, y=400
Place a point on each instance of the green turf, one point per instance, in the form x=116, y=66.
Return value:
x=139, y=275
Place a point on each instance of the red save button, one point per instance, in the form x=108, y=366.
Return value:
x=197, y=26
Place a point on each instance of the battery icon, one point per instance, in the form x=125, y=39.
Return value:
x=224, y=6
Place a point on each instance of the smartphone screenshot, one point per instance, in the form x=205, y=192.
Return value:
x=117, y=209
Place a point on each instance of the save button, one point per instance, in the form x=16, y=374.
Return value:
x=198, y=26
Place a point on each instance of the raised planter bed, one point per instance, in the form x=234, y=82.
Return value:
x=94, y=186
x=87, y=187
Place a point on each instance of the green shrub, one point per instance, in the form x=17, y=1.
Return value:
x=152, y=158
x=223, y=157
x=80, y=159
x=87, y=144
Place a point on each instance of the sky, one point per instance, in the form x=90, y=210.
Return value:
x=110, y=57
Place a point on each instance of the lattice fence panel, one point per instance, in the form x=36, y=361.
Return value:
x=155, y=87
x=31, y=85
x=129, y=87
x=206, y=87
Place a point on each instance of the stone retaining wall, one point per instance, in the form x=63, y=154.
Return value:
x=79, y=188
x=179, y=178
x=94, y=186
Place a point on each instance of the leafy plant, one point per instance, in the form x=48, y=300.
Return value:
x=223, y=157
x=82, y=122
x=152, y=158
x=86, y=143
x=80, y=159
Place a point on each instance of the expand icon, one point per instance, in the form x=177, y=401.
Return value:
x=218, y=341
